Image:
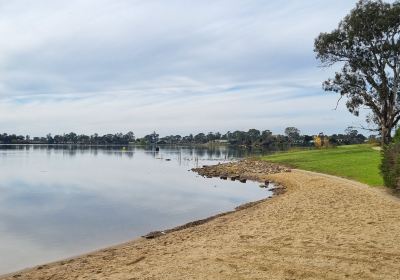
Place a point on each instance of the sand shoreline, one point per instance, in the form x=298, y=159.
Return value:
x=323, y=227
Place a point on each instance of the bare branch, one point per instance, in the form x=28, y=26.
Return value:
x=369, y=129
x=337, y=104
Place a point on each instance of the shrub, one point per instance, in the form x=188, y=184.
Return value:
x=321, y=141
x=396, y=137
x=390, y=167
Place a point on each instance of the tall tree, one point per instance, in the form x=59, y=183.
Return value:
x=366, y=45
x=292, y=133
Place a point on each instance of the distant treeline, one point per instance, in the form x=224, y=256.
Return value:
x=252, y=137
x=71, y=138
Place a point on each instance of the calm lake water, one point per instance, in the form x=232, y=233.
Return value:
x=57, y=202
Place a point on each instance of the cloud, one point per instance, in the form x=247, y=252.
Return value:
x=173, y=66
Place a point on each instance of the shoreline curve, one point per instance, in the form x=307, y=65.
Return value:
x=323, y=227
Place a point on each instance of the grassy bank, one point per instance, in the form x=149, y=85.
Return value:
x=357, y=162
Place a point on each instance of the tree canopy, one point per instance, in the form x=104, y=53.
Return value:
x=366, y=46
x=251, y=138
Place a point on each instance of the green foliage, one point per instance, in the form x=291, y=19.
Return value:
x=396, y=137
x=358, y=162
x=293, y=133
x=366, y=44
x=390, y=167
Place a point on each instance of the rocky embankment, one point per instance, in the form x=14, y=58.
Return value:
x=243, y=170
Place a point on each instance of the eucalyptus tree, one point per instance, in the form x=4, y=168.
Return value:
x=292, y=133
x=366, y=46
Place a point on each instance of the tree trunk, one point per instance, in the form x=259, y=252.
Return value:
x=386, y=135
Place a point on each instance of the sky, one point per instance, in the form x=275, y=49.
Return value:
x=176, y=67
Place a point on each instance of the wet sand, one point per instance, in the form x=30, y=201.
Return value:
x=322, y=227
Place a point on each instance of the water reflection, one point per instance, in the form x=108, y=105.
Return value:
x=59, y=201
x=206, y=152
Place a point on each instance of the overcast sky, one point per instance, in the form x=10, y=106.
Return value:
x=172, y=66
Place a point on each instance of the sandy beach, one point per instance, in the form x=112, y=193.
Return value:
x=322, y=227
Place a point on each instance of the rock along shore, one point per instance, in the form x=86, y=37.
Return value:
x=243, y=170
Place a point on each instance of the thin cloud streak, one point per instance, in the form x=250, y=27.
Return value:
x=217, y=112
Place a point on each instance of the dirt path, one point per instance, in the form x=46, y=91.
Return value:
x=323, y=227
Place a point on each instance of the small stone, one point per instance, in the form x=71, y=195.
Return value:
x=153, y=234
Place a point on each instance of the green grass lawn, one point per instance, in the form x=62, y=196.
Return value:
x=357, y=162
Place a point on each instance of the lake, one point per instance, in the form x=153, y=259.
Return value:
x=61, y=201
